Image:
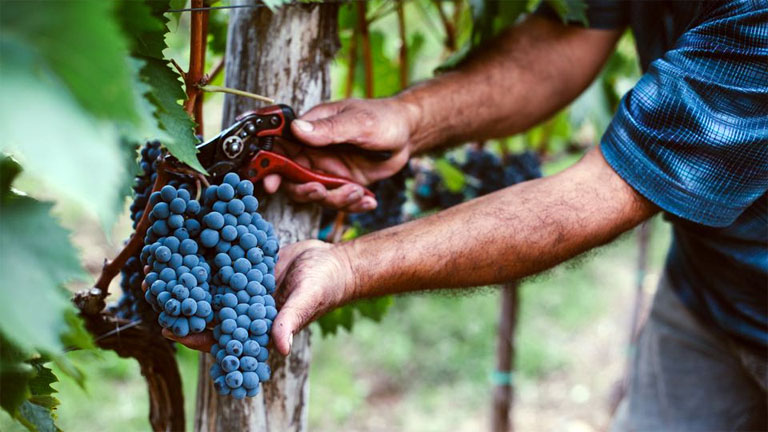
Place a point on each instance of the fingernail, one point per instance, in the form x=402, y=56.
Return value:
x=290, y=341
x=315, y=195
x=354, y=195
x=369, y=205
x=304, y=125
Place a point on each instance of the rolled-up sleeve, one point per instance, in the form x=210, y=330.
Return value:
x=692, y=135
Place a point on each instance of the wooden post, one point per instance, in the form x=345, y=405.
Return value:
x=503, y=384
x=285, y=55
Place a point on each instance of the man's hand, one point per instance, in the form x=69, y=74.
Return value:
x=378, y=124
x=313, y=277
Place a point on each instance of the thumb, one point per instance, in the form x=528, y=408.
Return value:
x=338, y=128
x=288, y=321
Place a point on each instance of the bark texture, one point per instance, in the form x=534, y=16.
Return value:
x=286, y=56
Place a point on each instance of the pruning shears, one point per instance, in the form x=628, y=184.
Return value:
x=246, y=147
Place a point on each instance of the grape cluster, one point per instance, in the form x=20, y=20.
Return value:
x=243, y=281
x=484, y=173
x=214, y=263
x=177, y=284
x=430, y=193
x=390, y=194
x=142, y=185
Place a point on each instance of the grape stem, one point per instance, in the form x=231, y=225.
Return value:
x=112, y=268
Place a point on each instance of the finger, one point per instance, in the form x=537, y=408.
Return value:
x=344, y=196
x=271, y=183
x=364, y=205
x=323, y=110
x=289, y=321
x=345, y=126
x=198, y=341
x=306, y=192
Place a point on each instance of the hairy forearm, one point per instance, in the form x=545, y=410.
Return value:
x=501, y=237
x=521, y=78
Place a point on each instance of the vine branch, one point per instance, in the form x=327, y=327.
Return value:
x=112, y=268
x=450, y=30
x=195, y=75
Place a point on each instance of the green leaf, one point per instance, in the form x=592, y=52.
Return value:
x=81, y=44
x=570, y=10
x=75, y=156
x=36, y=417
x=37, y=260
x=344, y=316
x=9, y=169
x=143, y=27
x=166, y=91
x=15, y=375
x=38, y=411
x=157, y=82
x=40, y=385
x=374, y=309
x=274, y=5
x=453, y=178
x=75, y=335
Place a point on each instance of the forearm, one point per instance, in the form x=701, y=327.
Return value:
x=501, y=237
x=520, y=79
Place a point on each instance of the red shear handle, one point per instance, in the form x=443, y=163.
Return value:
x=267, y=162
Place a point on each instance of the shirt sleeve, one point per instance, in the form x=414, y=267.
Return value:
x=692, y=136
x=601, y=14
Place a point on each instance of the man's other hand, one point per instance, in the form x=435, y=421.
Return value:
x=375, y=124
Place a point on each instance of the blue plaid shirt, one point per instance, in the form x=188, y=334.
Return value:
x=692, y=137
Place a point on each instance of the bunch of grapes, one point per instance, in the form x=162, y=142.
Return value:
x=142, y=185
x=429, y=192
x=484, y=173
x=177, y=283
x=245, y=248
x=214, y=263
x=521, y=167
x=390, y=194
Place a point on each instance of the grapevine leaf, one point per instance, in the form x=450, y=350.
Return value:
x=453, y=178
x=274, y=5
x=75, y=156
x=15, y=375
x=36, y=417
x=145, y=30
x=488, y=18
x=374, y=309
x=38, y=411
x=9, y=169
x=570, y=10
x=345, y=316
x=37, y=259
x=166, y=91
x=159, y=84
x=40, y=385
x=87, y=57
x=75, y=335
